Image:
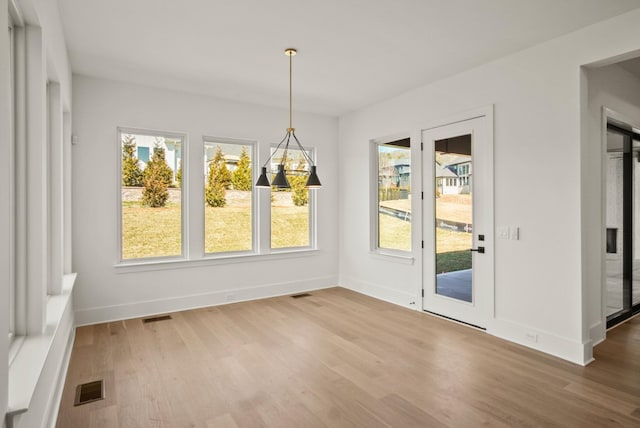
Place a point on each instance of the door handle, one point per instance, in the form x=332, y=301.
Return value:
x=479, y=249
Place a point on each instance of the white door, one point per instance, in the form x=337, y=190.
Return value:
x=458, y=236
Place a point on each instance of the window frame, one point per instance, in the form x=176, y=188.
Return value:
x=184, y=197
x=253, y=145
x=313, y=217
x=374, y=203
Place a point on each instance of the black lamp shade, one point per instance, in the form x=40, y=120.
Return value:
x=281, y=179
x=263, y=181
x=313, y=182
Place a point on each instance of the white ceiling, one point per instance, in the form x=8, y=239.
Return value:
x=351, y=53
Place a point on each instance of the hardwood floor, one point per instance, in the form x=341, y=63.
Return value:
x=339, y=359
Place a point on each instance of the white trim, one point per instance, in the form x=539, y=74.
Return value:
x=252, y=145
x=549, y=343
x=55, y=187
x=58, y=387
x=312, y=208
x=374, y=203
x=184, y=213
x=607, y=114
x=27, y=367
x=142, y=265
x=181, y=303
x=486, y=113
x=392, y=257
x=381, y=292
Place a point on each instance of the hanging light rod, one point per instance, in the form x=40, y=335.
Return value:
x=280, y=180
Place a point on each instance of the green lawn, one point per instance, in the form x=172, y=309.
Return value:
x=394, y=233
x=155, y=232
x=453, y=261
x=289, y=226
x=150, y=232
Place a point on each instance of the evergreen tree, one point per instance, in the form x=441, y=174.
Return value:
x=131, y=173
x=157, y=177
x=217, y=181
x=179, y=175
x=241, y=177
x=157, y=166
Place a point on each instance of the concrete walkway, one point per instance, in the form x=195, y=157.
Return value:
x=456, y=285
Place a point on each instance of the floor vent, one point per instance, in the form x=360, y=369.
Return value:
x=154, y=319
x=297, y=296
x=89, y=392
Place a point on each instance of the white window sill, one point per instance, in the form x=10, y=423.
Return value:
x=406, y=259
x=162, y=264
x=30, y=352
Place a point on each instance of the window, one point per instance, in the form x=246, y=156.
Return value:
x=392, y=216
x=228, y=196
x=151, y=199
x=291, y=213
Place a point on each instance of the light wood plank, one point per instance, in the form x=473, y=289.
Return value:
x=339, y=359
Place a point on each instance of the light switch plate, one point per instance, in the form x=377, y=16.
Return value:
x=503, y=232
x=515, y=233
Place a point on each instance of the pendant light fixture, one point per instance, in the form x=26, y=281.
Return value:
x=280, y=180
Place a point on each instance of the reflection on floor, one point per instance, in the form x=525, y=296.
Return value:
x=614, y=285
x=456, y=285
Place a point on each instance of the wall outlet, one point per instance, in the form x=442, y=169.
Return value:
x=231, y=297
x=531, y=336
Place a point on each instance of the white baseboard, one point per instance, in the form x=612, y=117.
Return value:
x=381, y=292
x=103, y=314
x=561, y=347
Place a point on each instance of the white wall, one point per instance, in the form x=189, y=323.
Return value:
x=104, y=292
x=617, y=89
x=537, y=100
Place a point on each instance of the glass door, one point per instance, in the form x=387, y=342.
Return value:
x=622, y=217
x=458, y=221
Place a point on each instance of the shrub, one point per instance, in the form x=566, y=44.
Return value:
x=155, y=194
x=300, y=195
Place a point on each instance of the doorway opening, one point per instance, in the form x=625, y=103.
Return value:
x=622, y=207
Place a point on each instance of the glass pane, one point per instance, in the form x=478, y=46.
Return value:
x=394, y=195
x=453, y=212
x=151, y=197
x=614, y=222
x=228, y=225
x=290, y=212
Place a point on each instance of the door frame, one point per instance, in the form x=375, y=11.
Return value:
x=485, y=113
x=616, y=119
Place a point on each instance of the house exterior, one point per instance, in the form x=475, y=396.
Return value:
x=453, y=177
x=146, y=145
